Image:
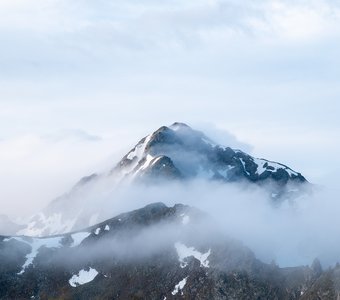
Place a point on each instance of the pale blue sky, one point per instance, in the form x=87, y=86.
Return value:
x=266, y=71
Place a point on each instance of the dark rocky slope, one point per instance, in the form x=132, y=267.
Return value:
x=156, y=252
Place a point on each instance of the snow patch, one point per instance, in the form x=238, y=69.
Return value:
x=156, y=160
x=136, y=155
x=147, y=162
x=260, y=166
x=107, y=227
x=271, y=167
x=266, y=165
x=148, y=159
x=179, y=286
x=83, y=277
x=244, y=166
x=138, y=151
x=183, y=252
x=97, y=231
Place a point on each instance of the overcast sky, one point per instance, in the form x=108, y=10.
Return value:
x=82, y=81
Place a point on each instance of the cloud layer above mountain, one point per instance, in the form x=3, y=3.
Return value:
x=267, y=71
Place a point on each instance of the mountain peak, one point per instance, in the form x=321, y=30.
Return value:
x=190, y=154
x=176, y=152
x=179, y=125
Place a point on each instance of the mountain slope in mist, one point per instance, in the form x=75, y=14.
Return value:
x=156, y=252
x=176, y=153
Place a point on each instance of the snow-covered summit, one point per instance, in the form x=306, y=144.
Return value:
x=182, y=152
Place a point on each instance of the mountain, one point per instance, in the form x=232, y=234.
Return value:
x=176, y=153
x=180, y=152
x=156, y=252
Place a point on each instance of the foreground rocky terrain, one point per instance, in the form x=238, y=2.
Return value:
x=156, y=252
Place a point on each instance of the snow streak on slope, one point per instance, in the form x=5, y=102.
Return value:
x=36, y=244
x=137, y=154
x=179, y=286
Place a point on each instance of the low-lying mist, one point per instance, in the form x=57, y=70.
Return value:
x=292, y=233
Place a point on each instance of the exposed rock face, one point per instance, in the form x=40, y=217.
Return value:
x=174, y=153
x=156, y=252
x=194, y=155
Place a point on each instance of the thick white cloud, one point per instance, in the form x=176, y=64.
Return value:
x=68, y=33
x=36, y=169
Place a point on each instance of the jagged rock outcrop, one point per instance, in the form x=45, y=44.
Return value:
x=194, y=155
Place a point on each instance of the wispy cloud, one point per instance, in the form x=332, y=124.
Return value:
x=65, y=34
x=36, y=169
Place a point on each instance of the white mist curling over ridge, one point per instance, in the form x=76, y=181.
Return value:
x=55, y=161
x=290, y=235
x=223, y=137
x=54, y=224
x=293, y=233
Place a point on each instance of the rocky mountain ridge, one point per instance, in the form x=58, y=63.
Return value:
x=178, y=151
x=152, y=253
